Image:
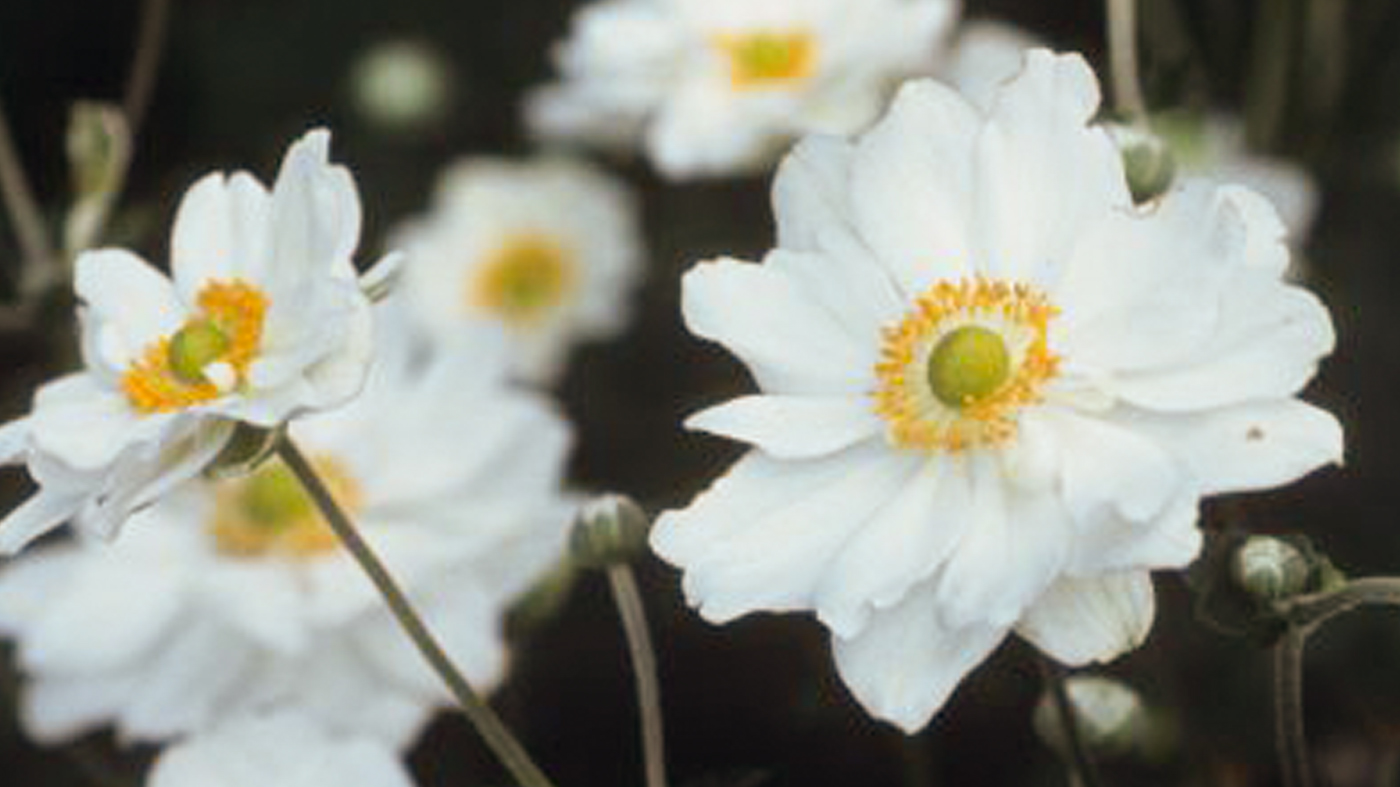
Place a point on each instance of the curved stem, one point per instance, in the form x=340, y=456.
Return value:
x=1123, y=60
x=1314, y=609
x=38, y=271
x=1288, y=709
x=1082, y=770
x=485, y=720
x=150, y=43
x=634, y=625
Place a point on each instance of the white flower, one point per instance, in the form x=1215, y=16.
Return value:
x=263, y=320
x=715, y=86
x=987, y=54
x=281, y=749
x=993, y=391
x=545, y=250
x=234, y=595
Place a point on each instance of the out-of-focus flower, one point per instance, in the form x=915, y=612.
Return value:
x=993, y=391
x=546, y=251
x=281, y=749
x=402, y=85
x=1111, y=716
x=987, y=54
x=230, y=596
x=717, y=86
x=264, y=320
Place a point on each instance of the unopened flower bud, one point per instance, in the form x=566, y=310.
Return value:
x=99, y=151
x=1112, y=719
x=1148, y=161
x=402, y=85
x=248, y=448
x=609, y=529
x=1270, y=568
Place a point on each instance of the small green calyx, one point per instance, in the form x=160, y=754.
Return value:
x=967, y=365
x=194, y=347
x=273, y=498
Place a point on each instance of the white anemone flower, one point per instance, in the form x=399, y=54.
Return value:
x=993, y=391
x=546, y=251
x=264, y=319
x=711, y=87
x=279, y=749
x=234, y=595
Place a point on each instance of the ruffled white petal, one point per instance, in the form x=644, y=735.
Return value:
x=791, y=427
x=1091, y=619
x=222, y=232
x=762, y=536
x=903, y=665
x=128, y=304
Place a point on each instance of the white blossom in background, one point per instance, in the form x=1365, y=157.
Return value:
x=264, y=319
x=714, y=87
x=987, y=54
x=280, y=749
x=992, y=390
x=232, y=596
x=546, y=251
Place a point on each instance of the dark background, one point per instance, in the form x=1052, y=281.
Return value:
x=756, y=702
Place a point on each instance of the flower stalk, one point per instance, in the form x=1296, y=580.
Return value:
x=1082, y=770
x=634, y=625
x=1123, y=60
x=511, y=754
x=39, y=260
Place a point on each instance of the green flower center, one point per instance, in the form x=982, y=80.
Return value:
x=194, y=347
x=967, y=365
x=273, y=499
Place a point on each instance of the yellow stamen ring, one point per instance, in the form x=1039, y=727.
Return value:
x=524, y=280
x=268, y=512
x=768, y=59
x=225, y=329
x=969, y=354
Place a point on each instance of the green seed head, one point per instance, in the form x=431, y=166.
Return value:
x=967, y=365
x=194, y=347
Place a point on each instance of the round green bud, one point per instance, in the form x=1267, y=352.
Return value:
x=609, y=529
x=1270, y=568
x=1148, y=162
x=968, y=364
x=194, y=347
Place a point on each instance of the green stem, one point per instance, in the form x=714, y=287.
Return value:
x=150, y=43
x=1288, y=709
x=634, y=625
x=1082, y=770
x=40, y=262
x=1123, y=60
x=485, y=720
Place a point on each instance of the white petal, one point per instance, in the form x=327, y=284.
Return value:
x=1105, y=464
x=1110, y=542
x=56, y=710
x=788, y=341
x=1091, y=619
x=791, y=427
x=701, y=129
x=1013, y=546
x=83, y=423
x=1250, y=446
x=811, y=192
x=985, y=57
x=316, y=216
x=1043, y=173
x=42, y=512
x=905, y=663
x=129, y=306
x=262, y=600
x=762, y=536
x=903, y=543
x=184, y=683
x=222, y=231
x=911, y=186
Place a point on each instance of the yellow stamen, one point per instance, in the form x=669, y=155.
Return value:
x=227, y=329
x=268, y=512
x=955, y=370
x=769, y=58
x=527, y=277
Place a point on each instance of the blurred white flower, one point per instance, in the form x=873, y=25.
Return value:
x=987, y=54
x=546, y=251
x=993, y=391
x=264, y=319
x=230, y=596
x=402, y=84
x=281, y=749
x=718, y=86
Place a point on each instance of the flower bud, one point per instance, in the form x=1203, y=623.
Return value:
x=402, y=85
x=1113, y=721
x=1270, y=569
x=609, y=529
x=99, y=150
x=1148, y=161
